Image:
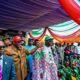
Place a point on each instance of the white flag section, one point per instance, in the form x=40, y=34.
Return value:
x=66, y=28
x=37, y=32
x=78, y=2
x=68, y=32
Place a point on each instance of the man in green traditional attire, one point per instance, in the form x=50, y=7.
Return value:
x=44, y=67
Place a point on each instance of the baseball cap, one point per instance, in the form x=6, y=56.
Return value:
x=48, y=38
x=16, y=38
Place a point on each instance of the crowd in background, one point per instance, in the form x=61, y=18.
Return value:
x=41, y=61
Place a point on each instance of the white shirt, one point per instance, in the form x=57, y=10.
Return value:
x=48, y=54
x=1, y=61
x=77, y=49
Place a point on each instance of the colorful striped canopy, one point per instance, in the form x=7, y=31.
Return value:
x=65, y=32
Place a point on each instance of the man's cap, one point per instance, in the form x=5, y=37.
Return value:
x=4, y=38
x=29, y=39
x=48, y=38
x=60, y=71
x=16, y=38
x=76, y=71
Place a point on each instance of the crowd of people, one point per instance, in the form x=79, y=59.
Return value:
x=38, y=61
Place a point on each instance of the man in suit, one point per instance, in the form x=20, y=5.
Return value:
x=7, y=68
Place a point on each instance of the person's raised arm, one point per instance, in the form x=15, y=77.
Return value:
x=33, y=50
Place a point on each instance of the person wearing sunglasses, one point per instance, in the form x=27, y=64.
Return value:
x=7, y=68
